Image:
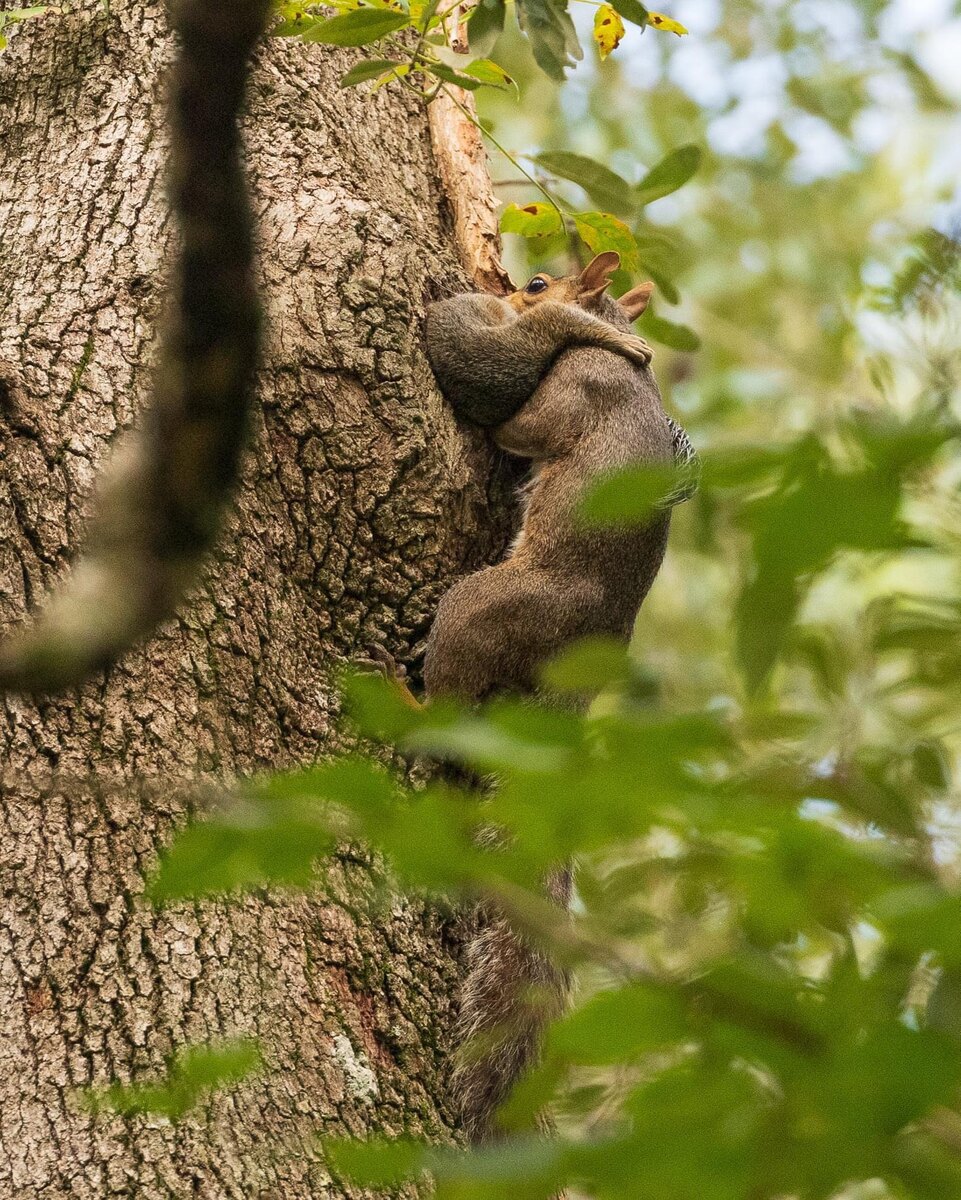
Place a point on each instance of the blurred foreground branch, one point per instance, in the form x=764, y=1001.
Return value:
x=163, y=496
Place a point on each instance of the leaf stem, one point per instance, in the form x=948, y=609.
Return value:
x=555, y=204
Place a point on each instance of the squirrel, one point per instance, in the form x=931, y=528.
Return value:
x=593, y=411
x=556, y=372
x=489, y=353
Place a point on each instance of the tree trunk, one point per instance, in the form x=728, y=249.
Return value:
x=361, y=501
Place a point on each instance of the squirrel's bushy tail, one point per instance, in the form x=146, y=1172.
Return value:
x=511, y=994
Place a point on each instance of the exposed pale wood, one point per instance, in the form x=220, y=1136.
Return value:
x=462, y=164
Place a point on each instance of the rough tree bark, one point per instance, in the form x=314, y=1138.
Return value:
x=361, y=501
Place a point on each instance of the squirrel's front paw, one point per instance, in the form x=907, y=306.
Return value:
x=639, y=351
x=379, y=661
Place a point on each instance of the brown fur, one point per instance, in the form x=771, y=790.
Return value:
x=488, y=359
x=596, y=410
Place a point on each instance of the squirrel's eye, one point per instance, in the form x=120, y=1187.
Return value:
x=537, y=284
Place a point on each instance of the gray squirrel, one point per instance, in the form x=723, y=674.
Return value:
x=585, y=406
x=555, y=371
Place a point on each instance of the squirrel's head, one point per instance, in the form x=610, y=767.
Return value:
x=586, y=289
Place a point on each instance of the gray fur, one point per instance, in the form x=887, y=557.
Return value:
x=516, y=352
x=596, y=410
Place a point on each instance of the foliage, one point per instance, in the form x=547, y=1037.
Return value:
x=419, y=45
x=761, y=801
x=424, y=41
x=763, y=922
x=192, y=1071
x=547, y=24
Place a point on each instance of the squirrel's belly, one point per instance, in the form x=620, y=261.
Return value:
x=609, y=571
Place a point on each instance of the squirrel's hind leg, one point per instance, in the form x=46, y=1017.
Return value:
x=380, y=661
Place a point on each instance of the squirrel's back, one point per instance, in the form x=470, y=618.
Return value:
x=595, y=413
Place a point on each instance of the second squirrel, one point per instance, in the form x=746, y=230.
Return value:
x=594, y=411
x=556, y=370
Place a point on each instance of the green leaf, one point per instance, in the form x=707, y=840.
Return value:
x=26, y=14
x=526, y=1168
x=532, y=220
x=490, y=73
x=630, y=10
x=295, y=20
x=602, y=231
x=192, y=1072
x=921, y=918
x=671, y=172
x=426, y=18
x=630, y=496
x=618, y=1025
x=367, y=69
x=441, y=862
x=484, y=745
x=605, y=187
x=449, y=75
x=552, y=35
x=377, y=1162
x=659, y=256
x=817, y=510
x=274, y=832
x=744, y=466
x=290, y=29
x=589, y=665
x=678, y=337
x=664, y=287
x=485, y=24
x=357, y=28
x=253, y=845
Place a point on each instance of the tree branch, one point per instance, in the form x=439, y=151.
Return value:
x=462, y=165
x=163, y=495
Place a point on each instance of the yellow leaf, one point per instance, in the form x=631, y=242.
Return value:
x=533, y=220
x=608, y=30
x=659, y=21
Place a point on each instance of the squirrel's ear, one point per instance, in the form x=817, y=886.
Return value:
x=636, y=300
x=595, y=277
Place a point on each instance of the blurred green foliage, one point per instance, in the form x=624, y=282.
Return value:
x=762, y=799
x=192, y=1072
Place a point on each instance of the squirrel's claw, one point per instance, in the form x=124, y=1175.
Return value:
x=379, y=661
x=640, y=351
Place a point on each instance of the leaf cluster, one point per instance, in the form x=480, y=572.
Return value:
x=773, y=949
x=619, y=223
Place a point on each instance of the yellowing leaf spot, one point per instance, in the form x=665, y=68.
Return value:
x=608, y=30
x=668, y=24
x=389, y=75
